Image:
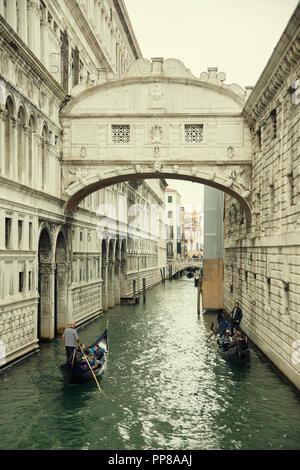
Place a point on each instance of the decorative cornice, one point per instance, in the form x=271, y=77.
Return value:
x=283, y=60
x=18, y=49
x=124, y=18
x=88, y=33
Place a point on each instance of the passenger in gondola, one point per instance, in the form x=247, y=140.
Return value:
x=99, y=353
x=92, y=358
x=226, y=341
x=239, y=339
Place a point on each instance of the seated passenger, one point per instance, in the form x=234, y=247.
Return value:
x=99, y=353
x=226, y=341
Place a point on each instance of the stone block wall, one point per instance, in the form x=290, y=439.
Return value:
x=262, y=256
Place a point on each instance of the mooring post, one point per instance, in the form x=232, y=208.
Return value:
x=134, y=291
x=144, y=290
x=198, y=297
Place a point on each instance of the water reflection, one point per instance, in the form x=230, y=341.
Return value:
x=170, y=389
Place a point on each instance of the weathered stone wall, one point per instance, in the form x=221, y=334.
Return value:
x=262, y=257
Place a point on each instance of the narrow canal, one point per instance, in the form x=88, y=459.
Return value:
x=170, y=389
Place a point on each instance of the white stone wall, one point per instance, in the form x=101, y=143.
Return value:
x=69, y=263
x=262, y=258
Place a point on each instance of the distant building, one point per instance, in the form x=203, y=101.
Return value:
x=193, y=226
x=213, y=275
x=174, y=234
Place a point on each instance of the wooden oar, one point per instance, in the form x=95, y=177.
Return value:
x=87, y=361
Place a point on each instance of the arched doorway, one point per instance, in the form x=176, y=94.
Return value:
x=104, y=275
x=45, y=326
x=123, y=269
x=111, y=274
x=61, y=286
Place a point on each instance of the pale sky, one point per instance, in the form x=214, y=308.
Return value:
x=237, y=36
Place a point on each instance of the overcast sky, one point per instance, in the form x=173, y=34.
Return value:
x=237, y=36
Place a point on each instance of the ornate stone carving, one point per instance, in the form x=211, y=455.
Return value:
x=157, y=166
x=42, y=99
x=19, y=78
x=176, y=68
x=156, y=152
x=5, y=64
x=230, y=152
x=83, y=152
x=156, y=134
x=156, y=97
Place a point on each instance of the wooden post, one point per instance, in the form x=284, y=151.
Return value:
x=134, y=291
x=198, y=297
x=144, y=290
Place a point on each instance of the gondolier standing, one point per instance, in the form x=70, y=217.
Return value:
x=236, y=316
x=70, y=339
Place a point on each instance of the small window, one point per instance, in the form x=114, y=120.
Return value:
x=20, y=233
x=7, y=232
x=273, y=116
x=29, y=280
x=291, y=189
x=21, y=281
x=170, y=198
x=120, y=134
x=272, y=195
x=193, y=133
x=30, y=235
x=259, y=138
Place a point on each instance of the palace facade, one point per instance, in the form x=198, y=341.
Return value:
x=56, y=268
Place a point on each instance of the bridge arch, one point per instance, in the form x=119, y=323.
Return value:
x=157, y=121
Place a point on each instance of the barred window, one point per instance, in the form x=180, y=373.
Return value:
x=120, y=134
x=193, y=133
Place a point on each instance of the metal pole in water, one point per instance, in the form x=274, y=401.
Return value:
x=144, y=290
x=134, y=291
x=198, y=297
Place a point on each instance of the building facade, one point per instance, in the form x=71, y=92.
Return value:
x=213, y=270
x=174, y=234
x=55, y=268
x=262, y=256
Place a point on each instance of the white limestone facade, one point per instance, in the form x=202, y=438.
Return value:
x=55, y=267
x=262, y=258
x=174, y=241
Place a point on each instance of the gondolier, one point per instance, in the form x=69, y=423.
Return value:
x=236, y=316
x=83, y=369
x=70, y=340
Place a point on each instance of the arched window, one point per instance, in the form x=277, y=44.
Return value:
x=21, y=141
x=45, y=138
x=8, y=136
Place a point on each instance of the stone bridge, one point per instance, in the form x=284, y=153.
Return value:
x=157, y=121
x=178, y=266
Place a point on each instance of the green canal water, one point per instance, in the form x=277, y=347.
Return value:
x=170, y=389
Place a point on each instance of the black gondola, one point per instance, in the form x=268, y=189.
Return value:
x=80, y=372
x=236, y=353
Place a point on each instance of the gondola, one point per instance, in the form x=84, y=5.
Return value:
x=80, y=371
x=239, y=353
